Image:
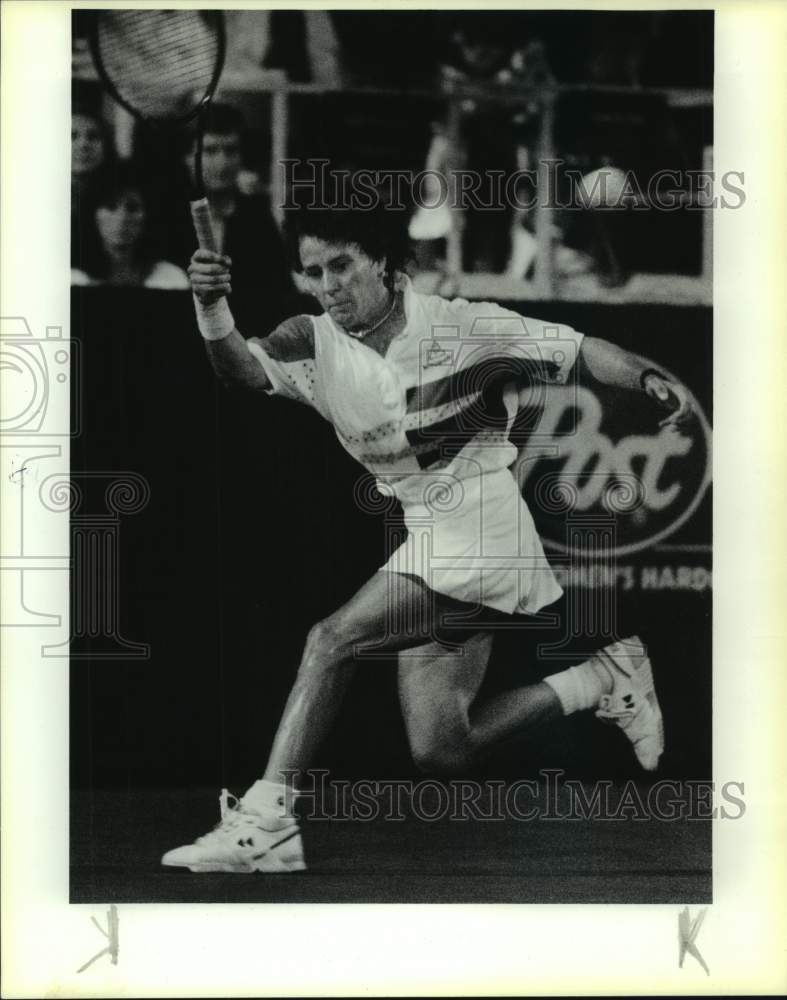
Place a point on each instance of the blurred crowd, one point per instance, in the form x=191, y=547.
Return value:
x=130, y=218
x=129, y=215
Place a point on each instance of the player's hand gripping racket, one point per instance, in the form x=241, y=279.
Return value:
x=163, y=67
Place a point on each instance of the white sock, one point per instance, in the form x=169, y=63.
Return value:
x=270, y=799
x=581, y=687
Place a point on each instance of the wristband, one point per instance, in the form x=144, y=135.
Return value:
x=646, y=375
x=215, y=321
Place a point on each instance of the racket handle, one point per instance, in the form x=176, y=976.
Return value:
x=203, y=225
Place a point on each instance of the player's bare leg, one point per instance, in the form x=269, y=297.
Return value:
x=447, y=730
x=260, y=832
x=439, y=680
x=389, y=614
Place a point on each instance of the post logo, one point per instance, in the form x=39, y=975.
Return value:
x=601, y=452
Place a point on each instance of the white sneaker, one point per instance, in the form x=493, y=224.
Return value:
x=633, y=705
x=243, y=841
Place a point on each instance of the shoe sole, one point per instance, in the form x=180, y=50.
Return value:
x=277, y=868
x=280, y=869
x=269, y=861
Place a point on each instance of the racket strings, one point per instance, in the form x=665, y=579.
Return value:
x=153, y=29
x=162, y=63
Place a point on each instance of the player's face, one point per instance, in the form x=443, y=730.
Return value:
x=121, y=226
x=221, y=162
x=87, y=144
x=347, y=283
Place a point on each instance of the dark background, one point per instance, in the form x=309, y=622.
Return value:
x=251, y=535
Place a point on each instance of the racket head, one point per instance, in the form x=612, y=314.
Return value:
x=162, y=66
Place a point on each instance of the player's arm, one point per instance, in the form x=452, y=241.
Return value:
x=209, y=274
x=612, y=365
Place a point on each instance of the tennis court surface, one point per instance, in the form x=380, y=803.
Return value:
x=118, y=837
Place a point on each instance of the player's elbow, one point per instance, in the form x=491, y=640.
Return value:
x=241, y=382
x=225, y=381
x=233, y=375
x=226, y=378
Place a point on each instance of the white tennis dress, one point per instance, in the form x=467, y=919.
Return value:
x=431, y=421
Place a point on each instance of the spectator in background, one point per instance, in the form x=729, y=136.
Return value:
x=243, y=223
x=301, y=44
x=267, y=48
x=91, y=144
x=118, y=247
x=92, y=158
x=493, y=49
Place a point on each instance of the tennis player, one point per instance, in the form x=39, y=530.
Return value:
x=422, y=392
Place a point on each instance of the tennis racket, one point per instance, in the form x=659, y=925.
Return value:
x=163, y=67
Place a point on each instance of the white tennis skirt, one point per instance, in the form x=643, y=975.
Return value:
x=475, y=540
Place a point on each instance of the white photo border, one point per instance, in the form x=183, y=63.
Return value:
x=311, y=950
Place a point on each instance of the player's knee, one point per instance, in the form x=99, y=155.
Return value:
x=438, y=754
x=327, y=645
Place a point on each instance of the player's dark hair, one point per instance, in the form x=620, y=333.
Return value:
x=380, y=233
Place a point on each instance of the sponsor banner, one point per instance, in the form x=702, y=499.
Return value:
x=687, y=577
x=603, y=480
